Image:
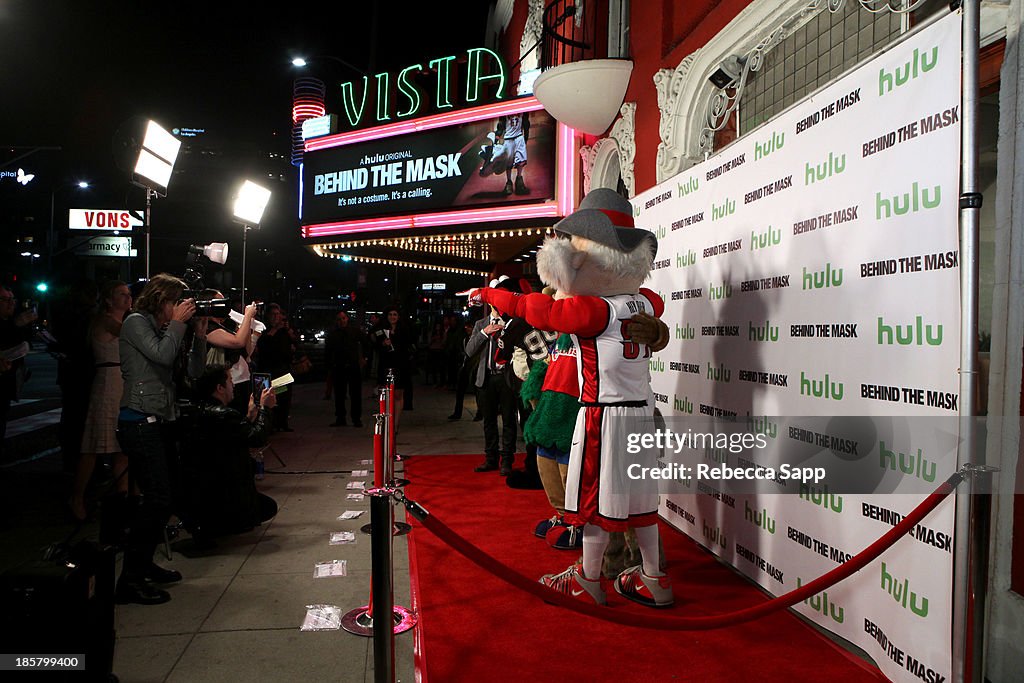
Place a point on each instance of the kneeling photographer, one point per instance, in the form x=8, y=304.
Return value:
x=219, y=494
x=151, y=343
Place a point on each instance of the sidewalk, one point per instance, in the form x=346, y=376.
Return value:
x=237, y=614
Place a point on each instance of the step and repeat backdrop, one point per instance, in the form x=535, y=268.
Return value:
x=811, y=278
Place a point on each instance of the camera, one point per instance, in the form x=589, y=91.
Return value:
x=207, y=308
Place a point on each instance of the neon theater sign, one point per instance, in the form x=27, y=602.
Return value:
x=482, y=65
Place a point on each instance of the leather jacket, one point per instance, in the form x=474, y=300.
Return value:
x=148, y=356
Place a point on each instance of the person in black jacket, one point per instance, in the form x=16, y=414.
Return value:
x=346, y=358
x=220, y=495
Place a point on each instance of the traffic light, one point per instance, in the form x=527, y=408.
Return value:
x=42, y=287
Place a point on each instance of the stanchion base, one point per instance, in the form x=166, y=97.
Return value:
x=399, y=529
x=360, y=623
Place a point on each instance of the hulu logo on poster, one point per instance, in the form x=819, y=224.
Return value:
x=768, y=333
x=726, y=209
x=830, y=167
x=821, y=497
x=916, y=333
x=719, y=374
x=902, y=594
x=660, y=232
x=822, y=279
x=715, y=536
x=819, y=603
x=687, y=259
x=908, y=202
x=759, y=518
x=691, y=186
x=913, y=465
x=763, y=240
x=717, y=293
x=656, y=365
x=824, y=388
x=775, y=143
x=683, y=406
x=917, y=65
x=684, y=332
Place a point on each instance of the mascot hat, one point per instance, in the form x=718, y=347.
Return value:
x=606, y=217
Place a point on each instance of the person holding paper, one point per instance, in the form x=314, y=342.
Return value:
x=231, y=343
x=14, y=331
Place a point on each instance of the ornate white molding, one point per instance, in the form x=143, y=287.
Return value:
x=624, y=133
x=532, y=32
x=669, y=85
x=587, y=156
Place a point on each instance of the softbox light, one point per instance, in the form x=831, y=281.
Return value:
x=250, y=203
x=156, y=159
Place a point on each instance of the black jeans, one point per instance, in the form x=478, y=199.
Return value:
x=348, y=380
x=498, y=398
x=148, y=445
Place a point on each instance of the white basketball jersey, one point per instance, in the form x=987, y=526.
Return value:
x=611, y=368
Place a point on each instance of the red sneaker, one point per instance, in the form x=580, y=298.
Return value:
x=571, y=582
x=652, y=591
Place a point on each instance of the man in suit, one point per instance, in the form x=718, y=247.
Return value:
x=497, y=388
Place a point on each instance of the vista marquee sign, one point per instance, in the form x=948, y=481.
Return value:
x=414, y=87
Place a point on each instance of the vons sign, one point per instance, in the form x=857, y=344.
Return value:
x=102, y=219
x=412, y=87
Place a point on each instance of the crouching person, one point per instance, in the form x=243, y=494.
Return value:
x=220, y=496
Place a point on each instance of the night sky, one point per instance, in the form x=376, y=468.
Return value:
x=78, y=73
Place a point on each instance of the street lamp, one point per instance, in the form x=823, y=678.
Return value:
x=153, y=168
x=250, y=203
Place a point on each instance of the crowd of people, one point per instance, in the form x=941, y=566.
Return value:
x=170, y=404
x=159, y=413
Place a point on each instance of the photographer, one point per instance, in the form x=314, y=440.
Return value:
x=232, y=344
x=220, y=494
x=151, y=339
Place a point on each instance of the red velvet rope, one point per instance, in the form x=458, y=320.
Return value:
x=674, y=623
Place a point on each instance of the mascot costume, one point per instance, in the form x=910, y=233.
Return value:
x=598, y=259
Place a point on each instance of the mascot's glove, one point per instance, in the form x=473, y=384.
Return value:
x=474, y=296
x=646, y=329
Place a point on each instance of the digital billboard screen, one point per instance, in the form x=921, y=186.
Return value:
x=508, y=160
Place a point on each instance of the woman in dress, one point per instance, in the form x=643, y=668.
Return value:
x=100, y=438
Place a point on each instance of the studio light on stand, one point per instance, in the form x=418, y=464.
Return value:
x=250, y=202
x=153, y=168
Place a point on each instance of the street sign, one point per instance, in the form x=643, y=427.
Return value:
x=118, y=247
x=103, y=219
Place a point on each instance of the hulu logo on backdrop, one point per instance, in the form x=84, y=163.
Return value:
x=660, y=232
x=830, y=167
x=759, y=518
x=768, y=333
x=825, y=388
x=820, y=603
x=763, y=240
x=908, y=202
x=687, y=259
x=902, y=594
x=727, y=208
x=913, y=465
x=682, y=406
x=691, y=186
x=822, y=279
x=917, y=65
x=684, y=331
x=821, y=497
x=775, y=143
x=916, y=333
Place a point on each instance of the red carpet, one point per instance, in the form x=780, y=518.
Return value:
x=475, y=627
